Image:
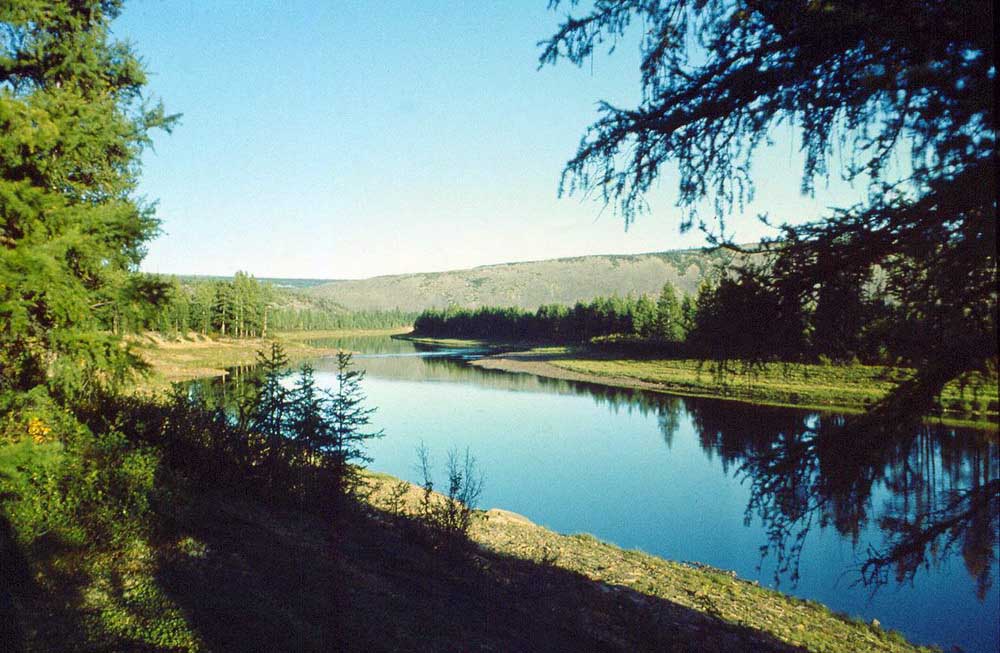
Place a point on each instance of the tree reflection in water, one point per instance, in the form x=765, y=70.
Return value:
x=930, y=491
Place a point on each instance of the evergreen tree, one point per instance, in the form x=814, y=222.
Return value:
x=668, y=315
x=307, y=410
x=223, y=308
x=202, y=305
x=348, y=421
x=268, y=413
x=865, y=85
x=742, y=318
x=689, y=311
x=839, y=319
x=645, y=317
x=73, y=123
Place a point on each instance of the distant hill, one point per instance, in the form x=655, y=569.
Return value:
x=277, y=282
x=528, y=285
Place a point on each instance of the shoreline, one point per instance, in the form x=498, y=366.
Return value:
x=722, y=599
x=779, y=385
x=768, y=619
x=195, y=356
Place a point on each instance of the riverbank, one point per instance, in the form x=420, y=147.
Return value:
x=231, y=572
x=194, y=356
x=843, y=388
x=665, y=604
x=624, y=600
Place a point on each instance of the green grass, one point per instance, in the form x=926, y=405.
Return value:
x=846, y=388
x=796, y=384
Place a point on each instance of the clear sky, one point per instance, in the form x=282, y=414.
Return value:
x=352, y=139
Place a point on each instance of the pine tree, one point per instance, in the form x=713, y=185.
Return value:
x=73, y=124
x=645, y=317
x=689, y=311
x=307, y=421
x=349, y=420
x=268, y=413
x=668, y=315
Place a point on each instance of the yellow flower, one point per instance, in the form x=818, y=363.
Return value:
x=38, y=429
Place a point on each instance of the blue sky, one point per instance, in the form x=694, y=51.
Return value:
x=353, y=139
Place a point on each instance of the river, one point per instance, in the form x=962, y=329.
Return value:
x=771, y=493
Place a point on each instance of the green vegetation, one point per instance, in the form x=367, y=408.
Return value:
x=87, y=498
x=858, y=92
x=243, y=307
x=846, y=388
x=73, y=123
x=133, y=522
x=737, y=339
x=793, y=384
x=155, y=524
x=663, y=320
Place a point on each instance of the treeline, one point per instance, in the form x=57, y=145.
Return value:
x=242, y=307
x=668, y=318
x=736, y=317
x=289, y=318
x=237, y=308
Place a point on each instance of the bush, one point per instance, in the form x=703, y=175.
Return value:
x=451, y=516
x=93, y=488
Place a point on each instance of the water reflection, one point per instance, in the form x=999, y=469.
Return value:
x=908, y=508
x=930, y=494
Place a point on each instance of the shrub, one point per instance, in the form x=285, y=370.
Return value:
x=93, y=488
x=450, y=516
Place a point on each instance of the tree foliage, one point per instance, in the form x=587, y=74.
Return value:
x=244, y=307
x=73, y=122
x=864, y=84
x=348, y=424
x=269, y=411
x=602, y=316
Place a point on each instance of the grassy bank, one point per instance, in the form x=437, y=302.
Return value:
x=794, y=384
x=845, y=388
x=196, y=356
x=227, y=572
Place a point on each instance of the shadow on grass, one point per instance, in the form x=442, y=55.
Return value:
x=17, y=586
x=52, y=616
x=267, y=578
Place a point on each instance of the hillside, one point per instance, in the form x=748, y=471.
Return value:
x=528, y=285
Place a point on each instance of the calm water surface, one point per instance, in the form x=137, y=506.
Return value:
x=770, y=493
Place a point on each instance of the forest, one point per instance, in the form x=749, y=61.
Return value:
x=243, y=307
x=736, y=317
